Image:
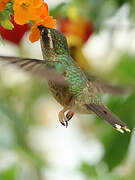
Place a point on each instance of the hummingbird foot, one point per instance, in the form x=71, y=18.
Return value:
x=69, y=115
x=64, y=120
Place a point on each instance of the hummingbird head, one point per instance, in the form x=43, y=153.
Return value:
x=53, y=43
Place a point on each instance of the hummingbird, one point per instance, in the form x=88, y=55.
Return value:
x=73, y=88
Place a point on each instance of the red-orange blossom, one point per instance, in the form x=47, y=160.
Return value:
x=35, y=11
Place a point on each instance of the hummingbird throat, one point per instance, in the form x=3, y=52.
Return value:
x=53, y=42
x=50, y=38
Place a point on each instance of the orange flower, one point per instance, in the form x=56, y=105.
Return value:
x=46, y=22
x=3, y=4
x=25, y=10
x=42, y=10
x=37, y=12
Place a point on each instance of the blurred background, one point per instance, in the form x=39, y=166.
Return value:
x=33, y=144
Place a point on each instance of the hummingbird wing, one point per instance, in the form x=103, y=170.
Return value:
x=36, y=67
x=104, y=113
x=101, y=86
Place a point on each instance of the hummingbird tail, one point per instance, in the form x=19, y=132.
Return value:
x=108, y=116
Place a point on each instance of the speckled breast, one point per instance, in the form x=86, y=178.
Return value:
x=61, y=94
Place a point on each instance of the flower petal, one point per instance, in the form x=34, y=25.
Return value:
x=48, y=22
x=35, y=34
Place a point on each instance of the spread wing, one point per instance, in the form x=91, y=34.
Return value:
x=36, y=67
x=104, y=113
x=101, y=86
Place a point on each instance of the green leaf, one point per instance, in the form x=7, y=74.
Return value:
x=9, y=7
x=88, y=170
x=7, y=24
x=124, y=71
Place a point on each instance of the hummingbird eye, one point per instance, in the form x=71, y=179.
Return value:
x=40, y=27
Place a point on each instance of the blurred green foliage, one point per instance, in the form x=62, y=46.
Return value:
x=116, y=145
x=124, y=70
x=8, y=174
x=19, y=122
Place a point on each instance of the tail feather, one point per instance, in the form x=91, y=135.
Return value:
x=108, y=116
